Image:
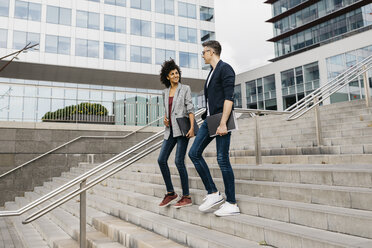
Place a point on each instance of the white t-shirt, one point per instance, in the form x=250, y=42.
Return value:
x=209, y=79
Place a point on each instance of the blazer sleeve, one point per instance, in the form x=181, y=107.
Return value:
x=228, y=82
x=188, y=101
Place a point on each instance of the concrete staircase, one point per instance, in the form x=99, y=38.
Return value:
x=302, y=197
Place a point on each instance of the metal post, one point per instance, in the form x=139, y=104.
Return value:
x=258, y=141
x=366, y=88
x=83, y=215
x=317, y=123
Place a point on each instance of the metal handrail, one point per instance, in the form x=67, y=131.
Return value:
x=75, y=139
x=327, y=90
x=337, y=78
x=110, y=172
x=84, y=176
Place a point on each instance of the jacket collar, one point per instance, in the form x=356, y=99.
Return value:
x=179, y=86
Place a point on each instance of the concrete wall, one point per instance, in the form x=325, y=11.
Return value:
x=25, y=141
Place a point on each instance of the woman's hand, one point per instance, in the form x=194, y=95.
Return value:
x=190, y=133
x=166, y=121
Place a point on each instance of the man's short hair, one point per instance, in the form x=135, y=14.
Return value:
x=215, y=45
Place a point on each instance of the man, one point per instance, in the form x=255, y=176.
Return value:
x=219, y=98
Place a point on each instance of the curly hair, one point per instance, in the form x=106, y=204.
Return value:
x=166, y=68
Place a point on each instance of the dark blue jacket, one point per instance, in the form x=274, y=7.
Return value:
x=221, y=88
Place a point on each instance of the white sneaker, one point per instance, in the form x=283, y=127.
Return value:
x=227, y=209
x=211, y=200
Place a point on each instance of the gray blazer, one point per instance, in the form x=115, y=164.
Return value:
x=182, y=106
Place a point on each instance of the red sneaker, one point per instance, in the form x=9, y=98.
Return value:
x=184, y=202
x=168, y=199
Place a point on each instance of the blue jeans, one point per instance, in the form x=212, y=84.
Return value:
x=165, y=151
x=201, y=141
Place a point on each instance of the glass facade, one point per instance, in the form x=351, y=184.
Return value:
x=141, y=4
x=282, y=6
x=28, y=11
x=187, y=10
x=162, y=54
x=122, y=3
x=58, y=15
x=114, y=51
x=87, y=48
x=338, y=64
x=261, y=93
x=164, y=31
x=57, y=44
x=86, y=19
x=115, y=24
x=340, y=25
x=29, y=101
x=3, y=38
x=140, y=54
x=308, y=14
x=206, y=35
x=4, y=8
x=238, y=96
x=188, y=60
x=164, y=6
x=21, y=39
x=299, y=82
x=187, y=35
x=140, y=27
x=206, y=14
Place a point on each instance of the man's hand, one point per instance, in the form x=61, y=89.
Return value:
x=222, y=129
x=190, y=133
x=166, y=122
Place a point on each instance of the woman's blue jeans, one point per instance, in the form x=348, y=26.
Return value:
x=165, y=151
x=201, y=141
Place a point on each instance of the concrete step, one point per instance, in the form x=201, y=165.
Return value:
x=9, y=237
x=338, y=196
x=276, y=233
x=333, y=175
x=112, y=232
x=312, y=215
x=28, y=234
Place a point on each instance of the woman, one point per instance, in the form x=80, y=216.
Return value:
x=177, y=103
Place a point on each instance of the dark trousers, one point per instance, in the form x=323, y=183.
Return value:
x=165, y=151
x=223, y=145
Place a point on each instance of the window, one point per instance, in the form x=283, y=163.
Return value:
x=21, y=39
x=188, y=60
x=3, y=38
x=115, y=24
x=87, y=19
x=161, y=55
x=164, y=6
x=206, y=14
x=206, y=35
x=58, y=15
x=140, y=54
x=164, y=31
x=4, y=7
x=122, y=3
x=140, y=27
x=57, y=44
x=25, y=10
x=187, y=10
x=141, y=4
x=114, y=51
x=187, y=35
x=94, y=1
x=87, y=48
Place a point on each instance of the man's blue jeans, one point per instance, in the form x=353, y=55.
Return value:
x=165, y=151
x=223, y=145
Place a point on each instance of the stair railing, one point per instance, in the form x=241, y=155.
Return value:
x=319, y=95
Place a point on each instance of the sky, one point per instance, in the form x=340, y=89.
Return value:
x=242, y=31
